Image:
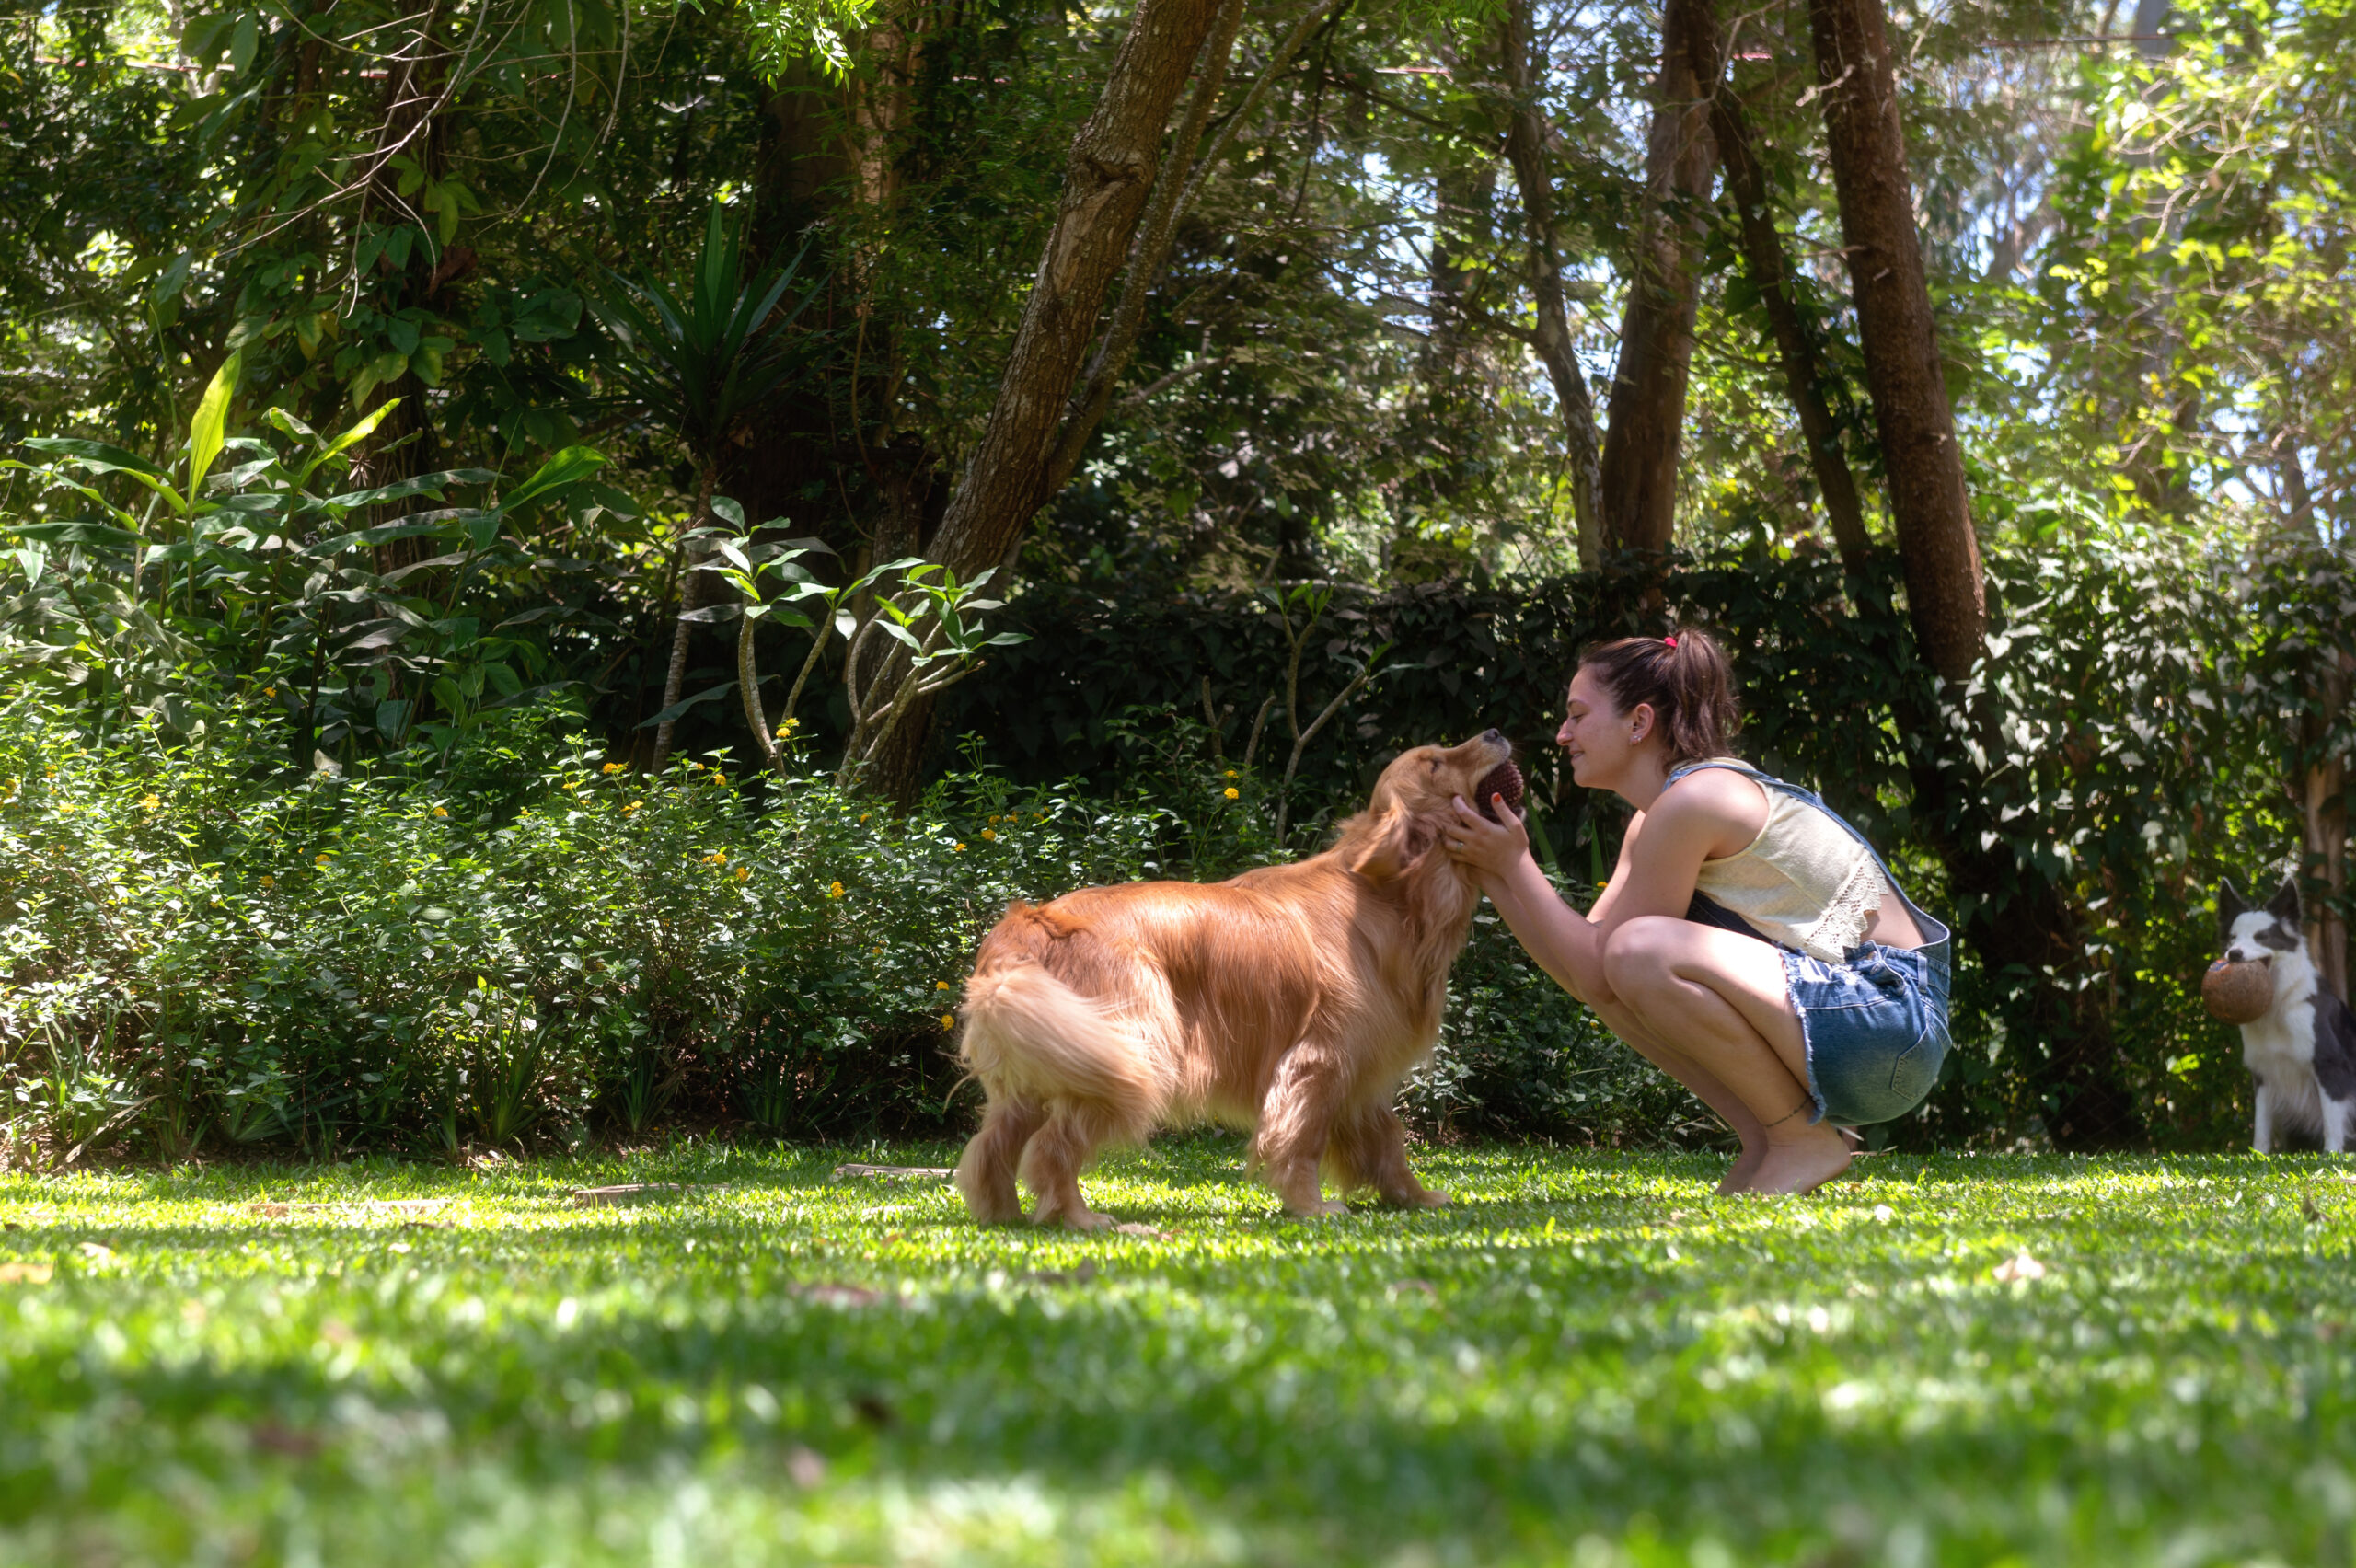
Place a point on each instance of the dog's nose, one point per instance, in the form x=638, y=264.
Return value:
x=1491, y=734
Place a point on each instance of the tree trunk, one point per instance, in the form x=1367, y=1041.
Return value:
x=1804, y=373
x=1107, y=178
x=1647, y=402
x=2321, y=792
x=1526, y=135
x=1927, y=502
x=405, y=445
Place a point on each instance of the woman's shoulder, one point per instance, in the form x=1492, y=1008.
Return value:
x=1728, y=797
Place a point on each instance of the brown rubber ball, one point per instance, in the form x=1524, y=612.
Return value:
x=1503, y=779
x=2238, y=993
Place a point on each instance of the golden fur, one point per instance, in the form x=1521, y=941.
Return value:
x=1289, y=1000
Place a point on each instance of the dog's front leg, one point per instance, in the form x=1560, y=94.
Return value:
x=1295, y=1119
x=2337, y=1114
x=2262, y=1137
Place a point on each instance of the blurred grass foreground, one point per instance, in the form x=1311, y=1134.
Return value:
x=1587, y=1360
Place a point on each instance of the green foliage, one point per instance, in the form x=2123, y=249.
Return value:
x=505, y=940
x=1588, y=1359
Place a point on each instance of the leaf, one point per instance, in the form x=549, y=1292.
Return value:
x=724, y=506
x=676, y=710
x=568, y=467
x=400, y=489
x=360, y=432
x=204, y=431
x=76, y=531
x=98, y=457
x=711, y=614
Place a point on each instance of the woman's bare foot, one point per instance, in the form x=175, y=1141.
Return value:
x=1746, y=1166
x=1804, y=1164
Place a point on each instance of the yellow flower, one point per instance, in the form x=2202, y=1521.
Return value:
x=788, y=725
x=994, y=816
x=875, y=950
x=863, y=816
x=1232, y=793
x=744, y=872
x=717, y=857
x=833, y=890
x=631, y=807
x=613, y=768
x=1230, y=773
x=321, y=861
x=990, y=833
x=942, y=985
x=269, y=881
x=572, y=783
x=152, y=803
x=960, y=844
x=948, y=1021
x=440, y=811
x=270, y=691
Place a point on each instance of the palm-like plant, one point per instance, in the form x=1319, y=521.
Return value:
x=695, y=362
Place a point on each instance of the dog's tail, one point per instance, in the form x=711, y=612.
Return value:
x=1031, y=1037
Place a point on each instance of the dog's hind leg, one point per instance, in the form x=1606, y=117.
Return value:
x=985, y=1170
x=1296, y=1122
x=1054, y=1158
x=1369, y=1149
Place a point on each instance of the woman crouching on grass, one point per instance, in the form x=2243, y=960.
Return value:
x=1750, y=944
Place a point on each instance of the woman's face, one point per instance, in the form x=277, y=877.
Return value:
x=1604, y=743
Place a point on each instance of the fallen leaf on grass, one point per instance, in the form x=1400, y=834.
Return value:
x=285, y=1440
x=838, y=1294
x=600, y=1197
x=415, y=1206
x=1148, y=1232
x=2020, y=1266
x=934, y=1172
x=1884, y=1213
x=98, y=1252
x=26, y=1273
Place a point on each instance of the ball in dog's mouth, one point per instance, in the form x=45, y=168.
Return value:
x=2238, y=992
x=1503, y=779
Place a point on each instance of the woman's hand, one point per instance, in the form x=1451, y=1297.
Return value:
x=1491, y=849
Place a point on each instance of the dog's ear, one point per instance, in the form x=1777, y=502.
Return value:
x=1397, y=842
x=2284, y=905
x=2230, y=908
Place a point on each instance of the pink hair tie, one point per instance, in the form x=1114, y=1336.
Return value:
x=1669, y=641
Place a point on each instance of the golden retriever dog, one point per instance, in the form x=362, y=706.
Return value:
x=1288, y=1001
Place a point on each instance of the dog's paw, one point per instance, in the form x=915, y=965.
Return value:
x=1430, y=1197
x=1083, y=1219
x=1323, y=1208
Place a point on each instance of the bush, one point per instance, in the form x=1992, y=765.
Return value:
x=526, y=943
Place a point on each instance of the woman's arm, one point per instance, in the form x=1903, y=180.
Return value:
x=1710, y=815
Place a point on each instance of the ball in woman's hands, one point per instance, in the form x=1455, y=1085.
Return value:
x=1503, y=779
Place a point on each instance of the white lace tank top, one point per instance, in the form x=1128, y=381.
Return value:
x=1805, y=881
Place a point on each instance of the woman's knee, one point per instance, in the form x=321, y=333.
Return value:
x=1637, y=955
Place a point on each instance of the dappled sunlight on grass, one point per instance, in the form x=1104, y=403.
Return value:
x=1588, y=1358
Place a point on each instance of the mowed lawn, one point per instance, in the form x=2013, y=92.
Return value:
x=1588, y=1360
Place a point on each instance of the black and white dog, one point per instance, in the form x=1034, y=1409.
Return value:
x=2303, y=1052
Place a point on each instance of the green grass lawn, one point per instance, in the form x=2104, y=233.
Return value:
x=1587, y=1360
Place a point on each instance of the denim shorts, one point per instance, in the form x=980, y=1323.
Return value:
x=1875, y=1027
